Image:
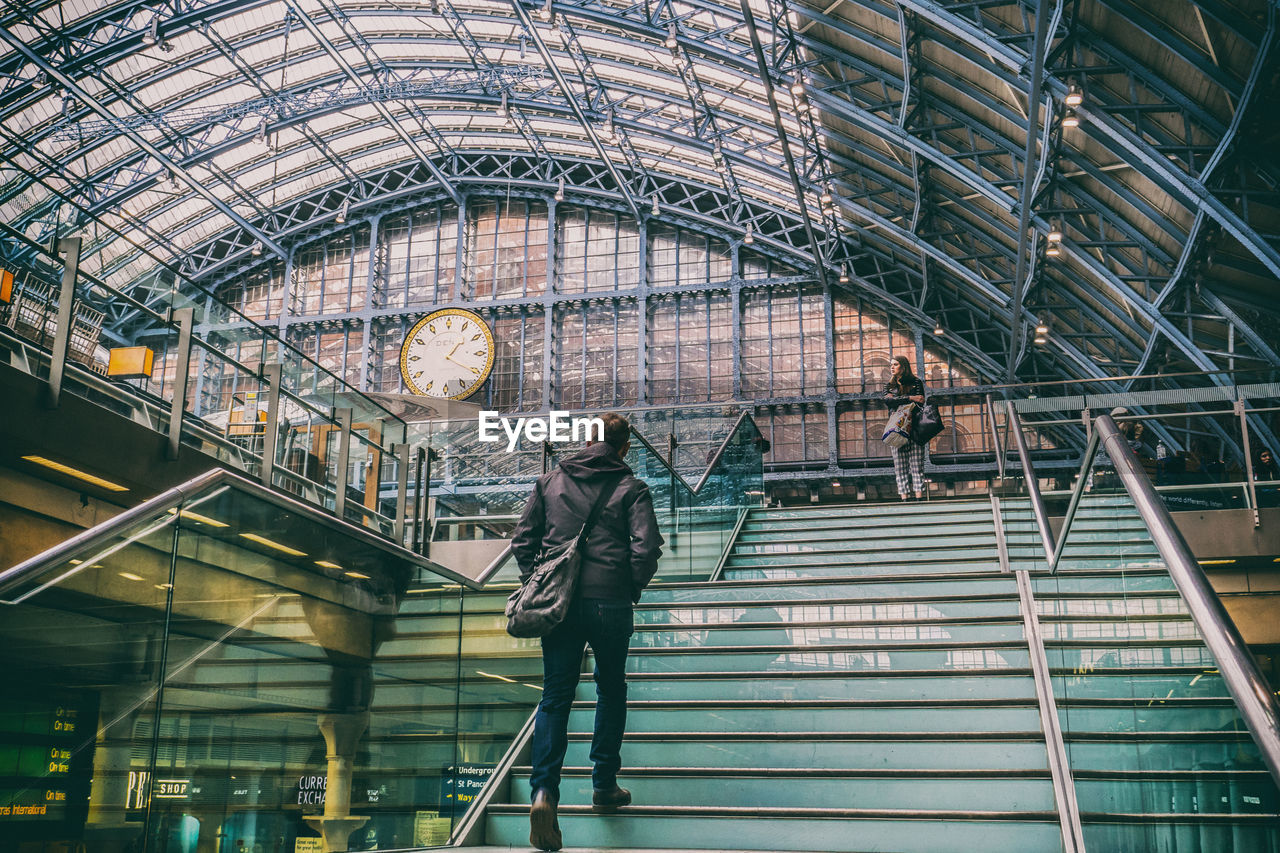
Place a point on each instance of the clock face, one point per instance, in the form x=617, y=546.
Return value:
x=448, y=353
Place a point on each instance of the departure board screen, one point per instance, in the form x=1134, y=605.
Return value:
x=46, y=758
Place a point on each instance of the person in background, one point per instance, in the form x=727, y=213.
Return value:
x=619, y=559
x=1103, y=474
x=908, y=460
x=1265, y=469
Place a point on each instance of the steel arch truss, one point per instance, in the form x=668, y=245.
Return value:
x=1160, y=196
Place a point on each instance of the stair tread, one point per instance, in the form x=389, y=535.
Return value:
x=569, y=809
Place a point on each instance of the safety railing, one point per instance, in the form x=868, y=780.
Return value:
x=697, y=519
x=213, y=380
x=1240, y=672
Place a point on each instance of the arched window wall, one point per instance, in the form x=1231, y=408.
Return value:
x=602, y=311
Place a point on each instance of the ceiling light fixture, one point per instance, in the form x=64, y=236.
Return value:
x=1042, y=329
x=256, y=248
x=359, y=576
x=129, y=576
x=844, y=275
x=797, y=88
x=937, y=328
x=655, y=210
x=1055, y=232
x=75, y=472
x=546, y=12
x=671, y=41
x=1040, y=339
x=825, y=198
x=325, y=564
x=343, y=211
x=152, y=35
x=195, y=516
x=1053, y=250
x=1071, y=119
x=270, y=543
x=748, y=235
x=1075, y=97
x=560, y=190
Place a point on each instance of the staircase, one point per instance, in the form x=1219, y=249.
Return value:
x=861, y=680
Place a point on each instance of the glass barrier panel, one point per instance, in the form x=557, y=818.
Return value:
x=1149, y=727
x=84, y=648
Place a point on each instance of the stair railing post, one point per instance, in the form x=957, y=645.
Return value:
x=418, y=497
x=271, y=374
x=671, y=462
x=999, y=447
x=70, y=246
x=426, y=458
x=401, y=451
x=1250, y=487
x=185, y=318
x=343, y=417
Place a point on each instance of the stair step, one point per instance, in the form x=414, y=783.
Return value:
x=842, y=556
x=805, y=788
x=819, y=588
x=754, y=828
x=831, y=717
x=903, y=750
x=829, y=610
x=835, y=684
x=819, y=570
x=896, y=657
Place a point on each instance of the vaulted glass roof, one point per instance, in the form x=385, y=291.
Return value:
x=887, y=141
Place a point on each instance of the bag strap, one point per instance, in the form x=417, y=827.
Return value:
x=598, y=507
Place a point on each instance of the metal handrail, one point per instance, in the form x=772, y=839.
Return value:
x=1077, y=492
x=1239, y=670
x=729, y=543
x=1014, y=426
x=176, y=496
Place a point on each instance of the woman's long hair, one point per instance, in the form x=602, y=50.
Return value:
x=906, y=376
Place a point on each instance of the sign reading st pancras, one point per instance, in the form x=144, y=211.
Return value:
x=447, y=354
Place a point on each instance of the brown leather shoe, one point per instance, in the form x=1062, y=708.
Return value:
x=544, y=827
x=610, y=799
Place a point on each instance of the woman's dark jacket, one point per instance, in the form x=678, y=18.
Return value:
x=622, y=552
x=895, y=396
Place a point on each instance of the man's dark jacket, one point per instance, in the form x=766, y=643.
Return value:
x=622, y=551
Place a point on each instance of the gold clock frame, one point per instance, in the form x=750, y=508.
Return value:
x=435, y=315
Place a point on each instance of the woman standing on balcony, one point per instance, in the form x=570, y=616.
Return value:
x=908, y=460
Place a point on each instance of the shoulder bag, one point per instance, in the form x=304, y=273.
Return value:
x=928, y=425
x=541, y=602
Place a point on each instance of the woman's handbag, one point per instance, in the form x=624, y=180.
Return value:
x=927, y=426
x=541, y=602
x=897, y=432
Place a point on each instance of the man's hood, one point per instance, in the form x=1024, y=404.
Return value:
x=594, y=460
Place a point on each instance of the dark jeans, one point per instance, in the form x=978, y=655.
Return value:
x=606, y=626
